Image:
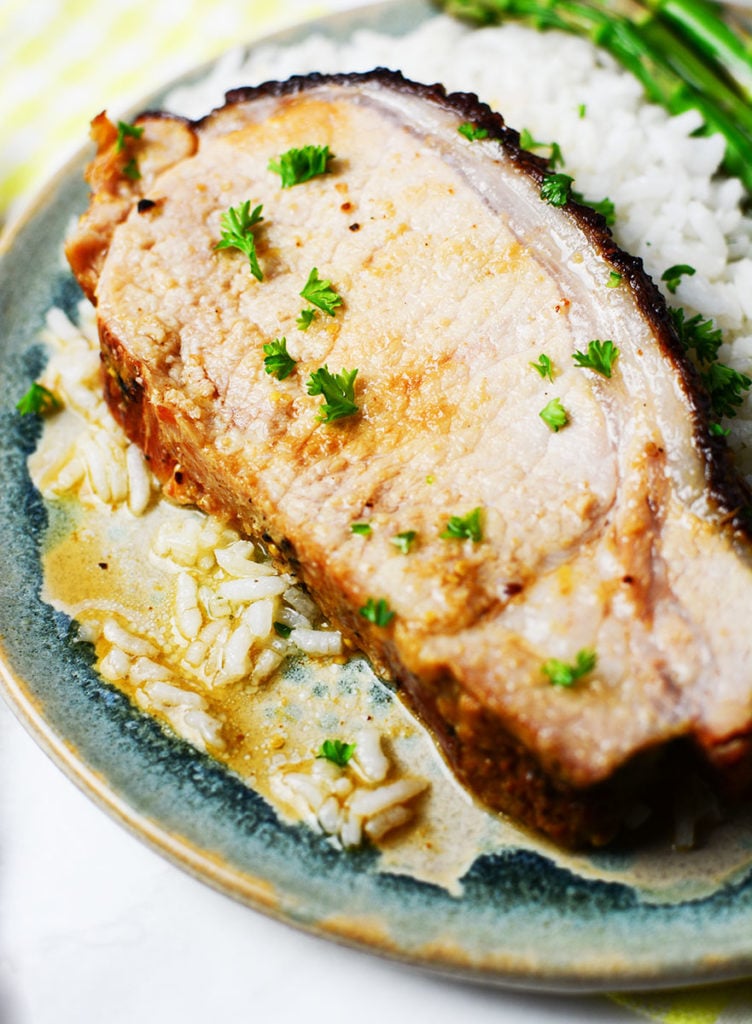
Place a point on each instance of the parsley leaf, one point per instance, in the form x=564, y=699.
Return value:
x=338, y=391
x=467, y=527
x=124, y=131
x=556, y=189
x=130, y=170
x=278, y=360
x=128, y=131
x=604, y=207
x=719, y=431
x=697, y=335
x=377, y=612
x=674, y=274
x=305, y=319
x=404, y=541
x=364, y=529
x=614, y=279
x=299, y=165
x=545, y=367
x=600, y=356
x=337, y=751
x=562, y=674
x=320, y=293
x=554, y=415
x=725, y=386
x=555, y=156
x=282, y=630
x=471, y=132
x=40, y=400
x=237, y=233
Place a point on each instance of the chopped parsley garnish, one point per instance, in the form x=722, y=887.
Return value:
x=554, y=415
x=337, y=751
x=377, y=612
x=338, y=391
x=725, y=385
x=582, y=110
x=277, y=359
x=555, y=156
x=472, y=132
x=282, y=630
x=299, y=165
x=674, y=274
x=600, y=356
x=556, y=189
x=39, y=400
x=562, y=674
x=697, y=335
x=130, y=170
x=614, y=279
x=364, y=529
x=404, y=541
x=305, y=319
x=237, y=233
x=467, y=527
x=126, y=131
x=545, y=367
x=718, y=431
x=604, y=207
x=320, y=293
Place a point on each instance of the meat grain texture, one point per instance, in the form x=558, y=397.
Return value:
x=623, y=532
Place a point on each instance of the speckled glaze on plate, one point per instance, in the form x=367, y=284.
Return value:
x=525, y=917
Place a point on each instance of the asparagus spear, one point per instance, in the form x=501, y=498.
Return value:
x=701, y=22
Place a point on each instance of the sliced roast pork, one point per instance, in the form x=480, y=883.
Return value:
x=557, y=571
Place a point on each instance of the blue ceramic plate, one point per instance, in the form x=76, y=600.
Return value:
x=524, y=915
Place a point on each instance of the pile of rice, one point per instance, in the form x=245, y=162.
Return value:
x=671, y=207
x=232, y=618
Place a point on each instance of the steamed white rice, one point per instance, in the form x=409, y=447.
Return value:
x=671, y=207
x=232, y=618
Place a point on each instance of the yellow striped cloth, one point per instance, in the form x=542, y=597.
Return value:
x=61, y=62
x=713, y=1004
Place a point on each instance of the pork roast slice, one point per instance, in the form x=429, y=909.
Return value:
x=620, y=533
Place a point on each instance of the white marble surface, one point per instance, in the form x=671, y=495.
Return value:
x=96, y=928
